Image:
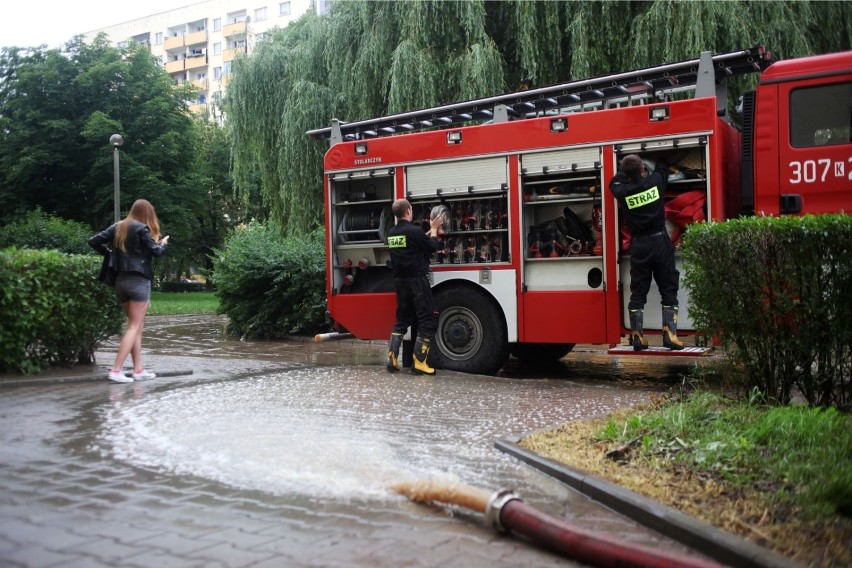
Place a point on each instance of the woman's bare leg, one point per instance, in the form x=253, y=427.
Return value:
x=131, y=342
x=136, y=352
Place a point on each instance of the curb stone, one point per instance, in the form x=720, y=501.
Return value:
x=702, y=537
x=85, y=378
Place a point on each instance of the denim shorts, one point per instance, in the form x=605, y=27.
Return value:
x=132, y=287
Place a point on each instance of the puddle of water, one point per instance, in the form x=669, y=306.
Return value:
x=346, y=433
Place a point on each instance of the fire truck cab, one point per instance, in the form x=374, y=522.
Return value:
x=536, y=259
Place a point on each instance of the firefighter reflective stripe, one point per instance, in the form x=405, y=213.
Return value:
x=397, y=241
x=640, y=199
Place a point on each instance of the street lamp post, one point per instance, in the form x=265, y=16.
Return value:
x=116, y=140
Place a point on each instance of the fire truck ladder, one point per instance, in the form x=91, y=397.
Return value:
x=706, y=75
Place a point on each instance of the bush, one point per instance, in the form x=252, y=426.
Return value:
x=778, y=292
x=271, y=287
x=39, y=230
x=181, y=287
x=53, y=311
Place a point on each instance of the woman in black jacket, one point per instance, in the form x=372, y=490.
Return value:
x=133, y=241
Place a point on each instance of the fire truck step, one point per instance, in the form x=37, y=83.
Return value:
x=663, y=351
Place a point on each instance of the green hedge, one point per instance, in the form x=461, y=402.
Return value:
x=271, y=287
x=53, y=311
x=778, y=293
x=40, y=230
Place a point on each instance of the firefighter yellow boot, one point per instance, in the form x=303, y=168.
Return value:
x=421, y=352
x=393, y=352
x=670, y=339
x=637, y=338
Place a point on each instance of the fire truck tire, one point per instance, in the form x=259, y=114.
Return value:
x=471, y=335
x=541, y=352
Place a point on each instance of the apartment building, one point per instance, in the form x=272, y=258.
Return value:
x=196, y=43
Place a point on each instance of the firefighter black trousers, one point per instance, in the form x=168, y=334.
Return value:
x=415, y=306
x=652, y=255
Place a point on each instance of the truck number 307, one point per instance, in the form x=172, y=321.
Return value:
x=810, y=171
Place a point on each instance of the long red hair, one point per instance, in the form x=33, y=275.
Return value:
x=143, y=212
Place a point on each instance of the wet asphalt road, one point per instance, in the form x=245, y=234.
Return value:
x=281, y=454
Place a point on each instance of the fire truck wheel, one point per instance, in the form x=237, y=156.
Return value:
x=471, y=334
x=541, y=352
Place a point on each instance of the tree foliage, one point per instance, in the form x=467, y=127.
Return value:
x=58, y=109
x=370, y=58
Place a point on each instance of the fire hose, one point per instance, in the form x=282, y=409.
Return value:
x=320, y=337
x=505, y=511
x=686, y=208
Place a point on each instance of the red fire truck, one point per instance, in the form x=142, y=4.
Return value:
x=535, y=260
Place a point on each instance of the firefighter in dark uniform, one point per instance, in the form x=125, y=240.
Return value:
x=651, y=250
x=410, y=249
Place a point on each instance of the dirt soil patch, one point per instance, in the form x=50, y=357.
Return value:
x=746, y=512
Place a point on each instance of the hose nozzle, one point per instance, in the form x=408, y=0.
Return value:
x=495, y=506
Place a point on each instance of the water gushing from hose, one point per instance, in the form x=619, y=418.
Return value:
x=506, y=512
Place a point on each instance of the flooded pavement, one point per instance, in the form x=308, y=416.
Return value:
x=203, y=336
x=282, y=454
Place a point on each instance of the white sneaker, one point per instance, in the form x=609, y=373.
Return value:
x=143, y=375
x=119, y=377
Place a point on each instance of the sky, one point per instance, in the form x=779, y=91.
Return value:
x=57, y=21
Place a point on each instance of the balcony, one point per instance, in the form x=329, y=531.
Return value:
x=195, y=38
x=174, y=42
x=200, y=84
x=175, y=66
x=195, y=61
x=197, y=108
x=238, y=28
x=231, y=54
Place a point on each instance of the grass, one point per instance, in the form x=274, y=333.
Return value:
x=779, y=476
x=183, y=303
x=803, y=455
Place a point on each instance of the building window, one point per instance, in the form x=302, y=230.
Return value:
x=226, y=68
x=217, y=24
x=217, y=73
x=217, y=48
x=158, y=38
x=284, y=9
x=260, y=14
x=323, y=7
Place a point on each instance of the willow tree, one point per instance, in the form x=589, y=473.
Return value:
x=367, y=58
x=361, y=40
x=370, y=58
x=275, y=96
